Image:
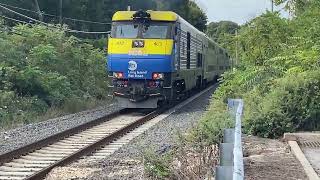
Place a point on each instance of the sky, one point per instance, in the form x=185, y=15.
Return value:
x=239, y=11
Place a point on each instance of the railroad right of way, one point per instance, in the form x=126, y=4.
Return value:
x=121, y=160
x=34, y=161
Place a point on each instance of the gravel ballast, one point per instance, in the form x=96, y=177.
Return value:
x=15, y=138
x=126, y=163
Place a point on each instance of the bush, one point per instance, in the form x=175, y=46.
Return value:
x=278, y=76
x=293, y=104
x=155, y=165
x=42, y=68
x=210, y=128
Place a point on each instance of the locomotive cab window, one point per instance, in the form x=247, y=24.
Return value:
x=124, y=30
x=157, y=31
x=152, y=30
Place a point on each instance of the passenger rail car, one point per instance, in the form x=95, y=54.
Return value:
x=156, y=56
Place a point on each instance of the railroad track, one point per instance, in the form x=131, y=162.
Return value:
x=35, y=161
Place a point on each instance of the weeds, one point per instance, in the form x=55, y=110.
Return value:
x=157, y=166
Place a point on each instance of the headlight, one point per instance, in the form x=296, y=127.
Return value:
x=157, y=76
x=118, y=75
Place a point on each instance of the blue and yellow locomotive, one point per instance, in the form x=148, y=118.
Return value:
x=156, y=56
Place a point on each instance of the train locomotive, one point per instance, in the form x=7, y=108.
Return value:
x=156, y=56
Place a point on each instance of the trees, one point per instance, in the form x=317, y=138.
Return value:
x=187, y=9
x=42, y=68
x=102, y=11
x=196, y=16
x=216, y=29
x=278, y=76
x=296, y=7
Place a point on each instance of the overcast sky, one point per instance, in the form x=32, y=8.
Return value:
x=239, y=11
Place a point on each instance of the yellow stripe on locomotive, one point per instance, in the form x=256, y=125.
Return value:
x=151, y=47
x=154, y=15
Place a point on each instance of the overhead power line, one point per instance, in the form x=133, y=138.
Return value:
x=68, y=30
x=86, y=21
x=87, y=32
x=22, y=15
x=7, y=5
x=16, y=20
x=51, y=15
x=43, y=23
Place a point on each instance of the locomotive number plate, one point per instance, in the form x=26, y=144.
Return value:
x=136, y=52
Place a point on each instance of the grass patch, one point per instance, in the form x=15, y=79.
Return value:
x=157, y=166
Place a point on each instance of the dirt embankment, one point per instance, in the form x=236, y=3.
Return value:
x=267, y=159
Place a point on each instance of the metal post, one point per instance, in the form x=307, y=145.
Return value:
x=238, y=169
x=60, y=12
x=38, y=10
x=231, y=155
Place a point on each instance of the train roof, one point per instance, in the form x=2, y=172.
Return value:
x=161, y=16
x=154, y=15
x=185, y=22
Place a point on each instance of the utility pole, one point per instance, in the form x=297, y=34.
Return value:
x=272, y=5
x=38, y=10
x=60, y=12
x=236, y=63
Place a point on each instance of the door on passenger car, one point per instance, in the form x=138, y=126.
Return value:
x=188, y=49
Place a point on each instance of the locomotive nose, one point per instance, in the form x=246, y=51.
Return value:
x=140, y=58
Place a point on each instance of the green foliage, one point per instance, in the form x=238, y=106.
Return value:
x=278, y=74
x=102, y=11
x=195, y=16
x=217, y=30
x=210, y=129
x=41, y=67
x=263, y=38
x=293, y=104
x=98, y=43
x=157, y=166
x=187, y=9
x=296, y=7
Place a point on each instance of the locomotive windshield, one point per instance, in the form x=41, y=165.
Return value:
x=152, y=30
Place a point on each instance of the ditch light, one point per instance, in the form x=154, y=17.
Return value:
x=157, y=76
x=118, y=75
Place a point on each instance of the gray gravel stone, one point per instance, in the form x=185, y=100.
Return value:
x=15, y=138
x=126, y=162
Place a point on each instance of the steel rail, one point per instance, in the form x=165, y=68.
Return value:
x=92, y=147
x=7, y=157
